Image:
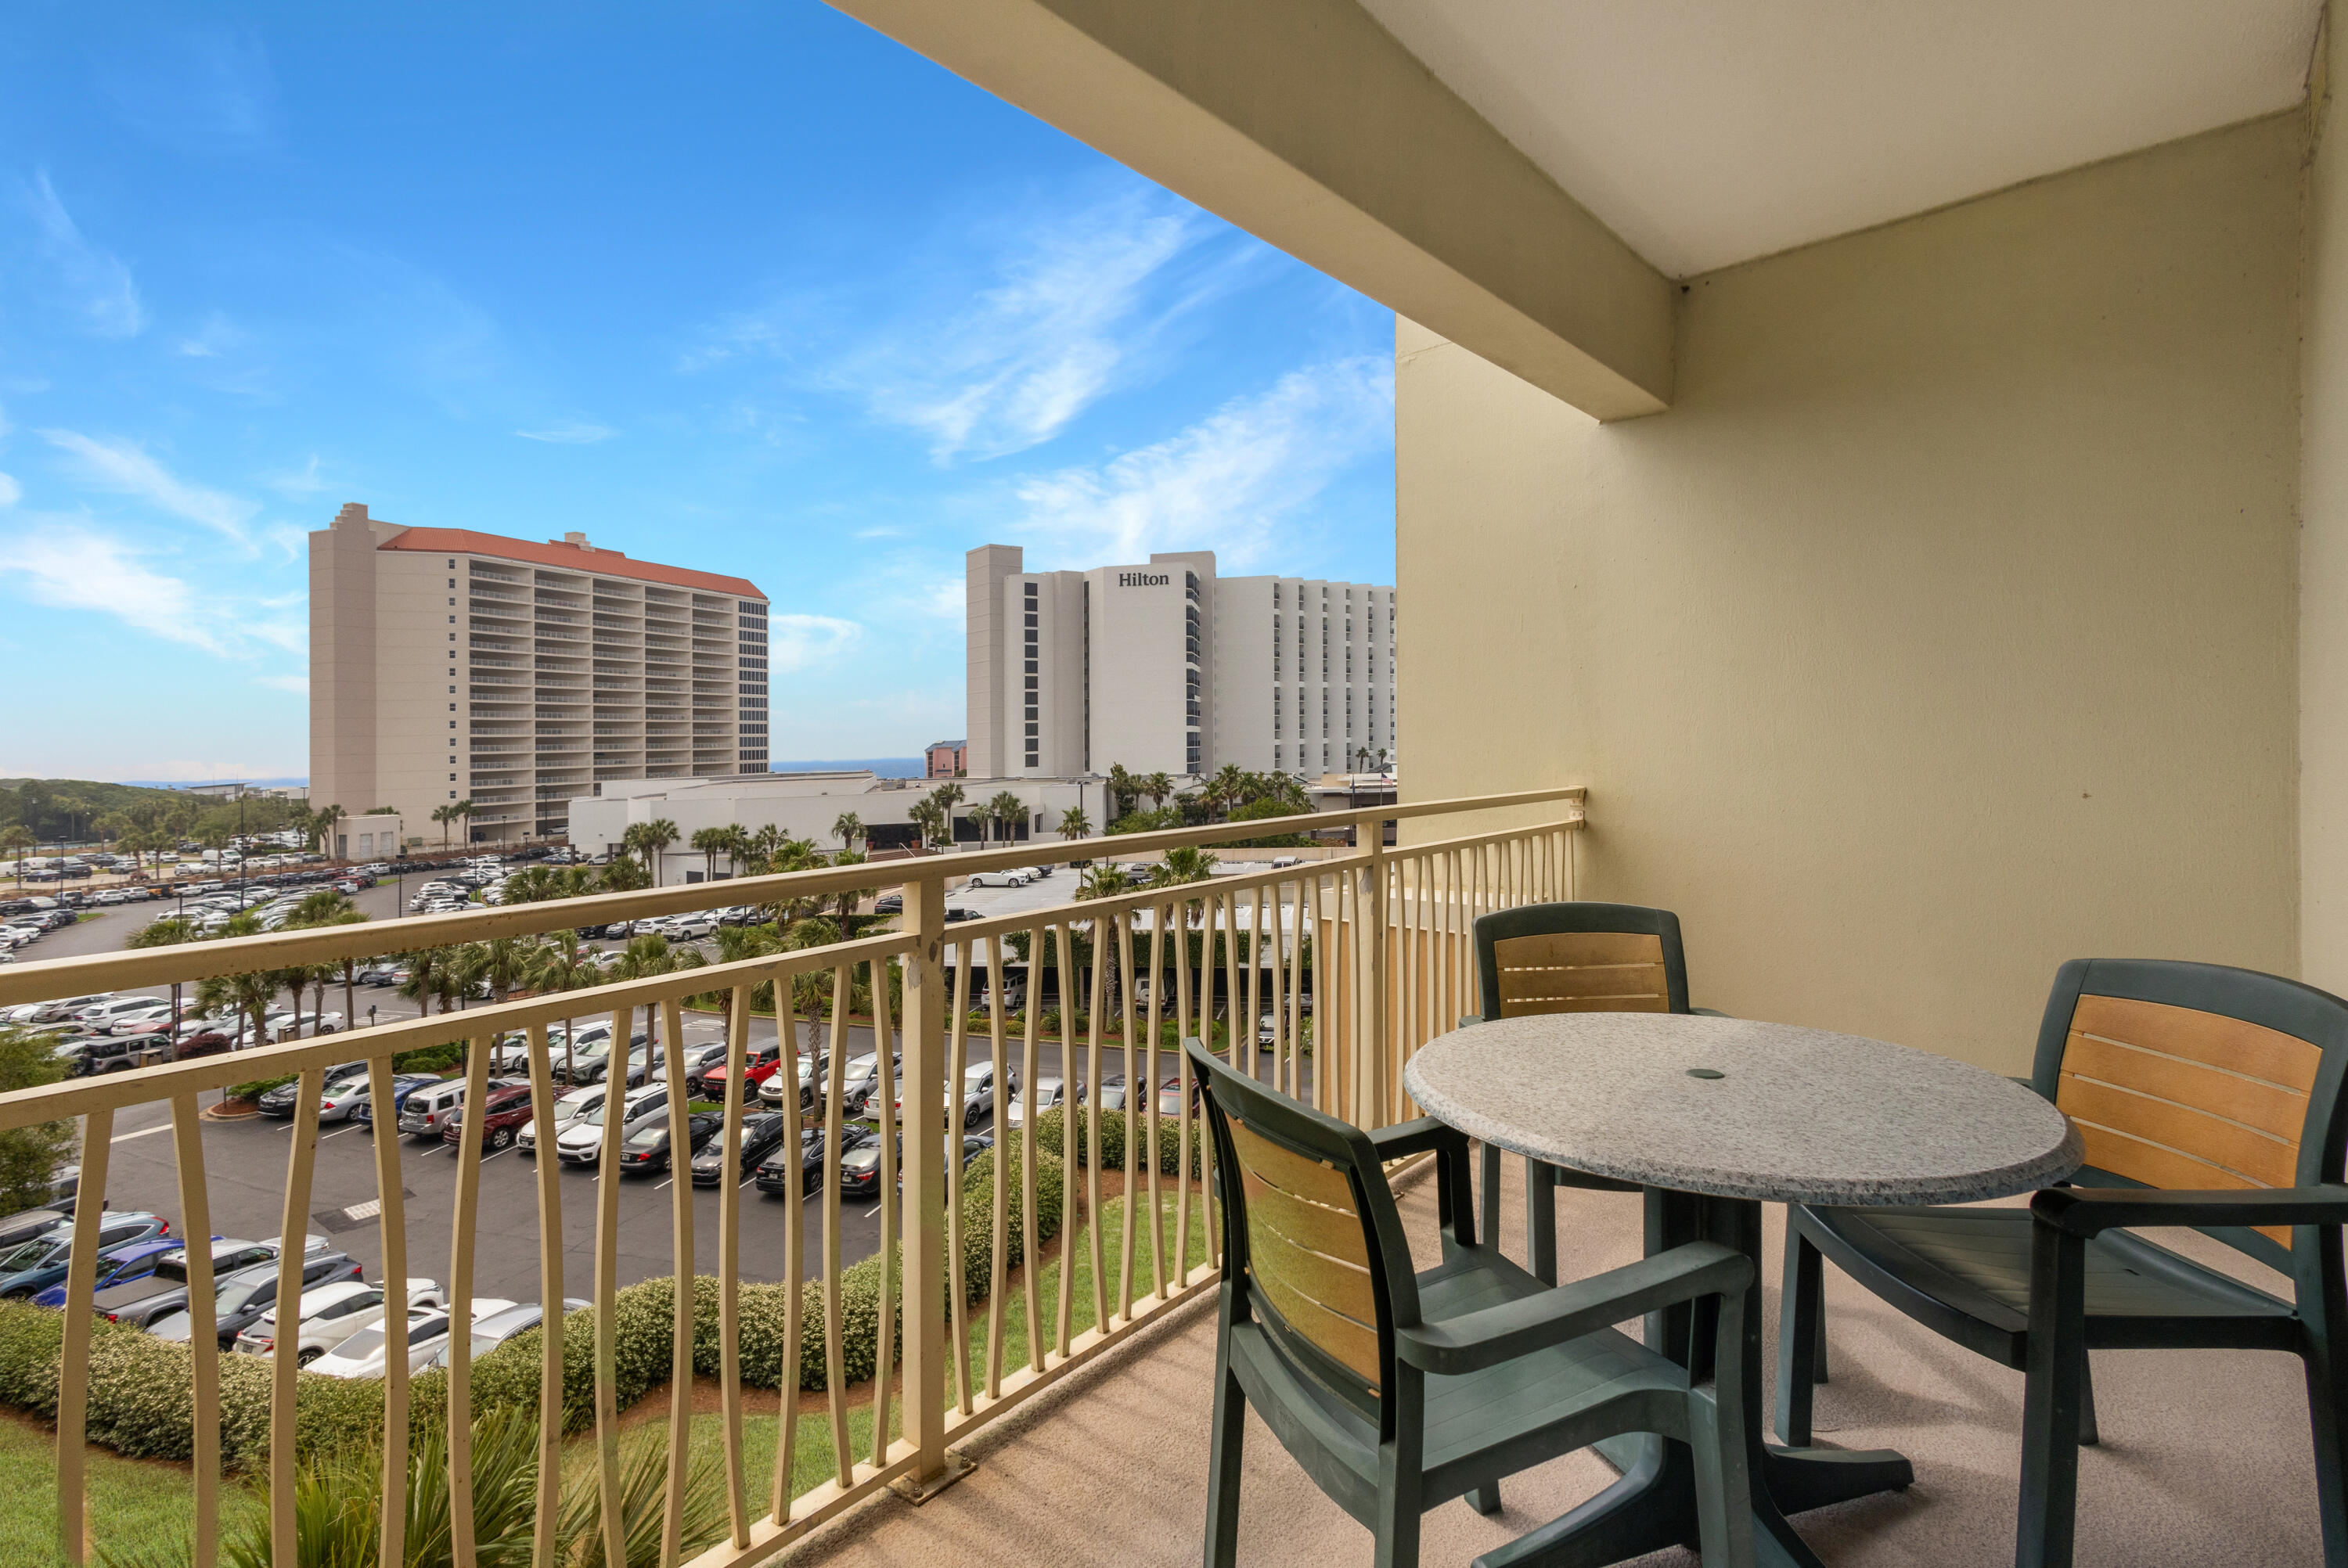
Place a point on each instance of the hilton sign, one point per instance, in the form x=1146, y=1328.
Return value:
x=1142, y=579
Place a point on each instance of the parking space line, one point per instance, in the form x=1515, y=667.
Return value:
x=142, y=1133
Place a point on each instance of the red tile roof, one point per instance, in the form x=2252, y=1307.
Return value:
x=568, y=557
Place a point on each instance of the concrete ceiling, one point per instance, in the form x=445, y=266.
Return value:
x=1706, y=132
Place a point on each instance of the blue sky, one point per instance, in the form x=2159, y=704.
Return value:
x=743, y=286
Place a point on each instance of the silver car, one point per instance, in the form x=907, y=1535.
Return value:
x=583, y=1143
x=564, y=1113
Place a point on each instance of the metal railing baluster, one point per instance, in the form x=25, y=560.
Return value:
x=729, y=1251
x=73, y=1349
x=547, y=1520
x=680, y=1365
x=203, y=1350
x=460, y=1301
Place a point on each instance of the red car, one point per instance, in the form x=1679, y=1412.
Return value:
x=505, y=1111
x=710, y=1084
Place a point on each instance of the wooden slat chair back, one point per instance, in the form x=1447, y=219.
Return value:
x=1577, y=957
x=2174, y=1095
x=1581, y=957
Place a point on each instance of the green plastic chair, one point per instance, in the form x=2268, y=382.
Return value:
x=1398, y=1390
x=1578, y=957
x=2207, y=1097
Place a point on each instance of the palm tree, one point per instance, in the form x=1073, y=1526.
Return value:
x=1009, y=811
x=849, y=828
x=1103, y=881
x=713, y=842
x=736, y=943
x=247, y=995
x=1075, y=823
x=1157, y=786
x=427, y=975
x=655, y=838
x=929, y=819
x=327, y=907
x=444, y=815
x=847, y=899
x=20, y=839
x=565, y=964
x=809, y=992
x=167, y=932
x=641, y=959
x=322, y=826
x=625, y=874
x=1187, y=863
x=1122, y=789
x=1227, y=788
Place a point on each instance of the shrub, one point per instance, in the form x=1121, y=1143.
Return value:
x=1051, y=1133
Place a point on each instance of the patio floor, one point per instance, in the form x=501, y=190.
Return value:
x=2205, y=1456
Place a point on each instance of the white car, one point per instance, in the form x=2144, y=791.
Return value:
x=565, y=1111
x=689, y=927
x=1014, y=878
x=361, y=1354
x=330, y=1314
x=582, y=1142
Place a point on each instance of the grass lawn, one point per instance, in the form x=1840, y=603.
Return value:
x=141, y=1510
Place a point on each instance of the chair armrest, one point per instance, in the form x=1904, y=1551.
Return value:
x=2091, y=1210
x=1474, y=1340
x=1709, y=1013
x=1467, y=1019
x=1416, y=1138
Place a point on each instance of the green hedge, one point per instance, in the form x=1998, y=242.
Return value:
x=142, y=1401
x=1051, y=1132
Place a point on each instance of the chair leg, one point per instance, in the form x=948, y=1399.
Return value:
x=2047, y=1520
x=1723, y=1497
x=2327, y=1417
x=1540, y=1222
x=1226, y=1435
x=1801, y=1335
x=2089, y=1436
x=1486, y=1499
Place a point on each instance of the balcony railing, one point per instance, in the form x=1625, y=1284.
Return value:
x=1356, y=961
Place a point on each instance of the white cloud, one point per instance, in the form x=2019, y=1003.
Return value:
x=947, y=601
x=72, y=568
x=804, y=641
x=96, y=283
x=307, y=481
x=125, y=470
x=298, y=684
x=573, y=435
x=1230, y=483
x=1066, y=309
x=11, y=492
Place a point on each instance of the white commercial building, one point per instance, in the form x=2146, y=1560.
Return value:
x=806, y=805
x=1165, y=667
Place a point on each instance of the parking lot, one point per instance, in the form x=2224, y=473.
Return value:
x=246, y=1159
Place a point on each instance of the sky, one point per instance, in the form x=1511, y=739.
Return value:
x=745, y=287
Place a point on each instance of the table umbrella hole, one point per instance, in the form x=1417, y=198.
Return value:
x=1706, y=1072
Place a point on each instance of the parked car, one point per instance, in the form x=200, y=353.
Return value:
x=761, y=1135
x=35, y=1264
x=327, y=1314
x=425, y=1112
x=696, y=1060
x=1170, y=1095
x=808, y=1080
x=565, y=1111
x=690, y=928
x=762, y=1064
x=241, y=1298
x=495, y=1329
x=117, y=1265
x=997, y=879
x=646, y=1149
x=860, y=1168
x=784, y=1173
x=505, y=1110
x=889, y=904
x=363, y=1355
x=164, y=1291
x=591, y=1058
x=582, y=1142
x=343, y=1086
x=403, y=1084
x=861, y=1080
x=1049, y=1091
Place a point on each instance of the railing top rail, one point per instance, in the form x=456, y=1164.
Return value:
x=334, y=944
x=76, y=1096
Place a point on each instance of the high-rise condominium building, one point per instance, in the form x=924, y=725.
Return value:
x=449, y=665
x=1164, y=667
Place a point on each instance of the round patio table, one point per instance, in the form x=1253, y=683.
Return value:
x=1712, y=1117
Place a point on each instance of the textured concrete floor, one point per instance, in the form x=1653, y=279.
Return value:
x=2205, y=1456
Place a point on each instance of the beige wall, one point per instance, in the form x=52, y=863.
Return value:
x=1944, y=629
x=2324, y=551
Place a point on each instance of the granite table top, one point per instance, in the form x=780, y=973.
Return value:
x=1741, y=1108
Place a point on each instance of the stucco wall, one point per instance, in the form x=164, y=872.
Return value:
x=2324, y=551
x=1945, y=627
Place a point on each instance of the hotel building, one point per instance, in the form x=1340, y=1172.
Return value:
x=1164, y=667
x=450, y=665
